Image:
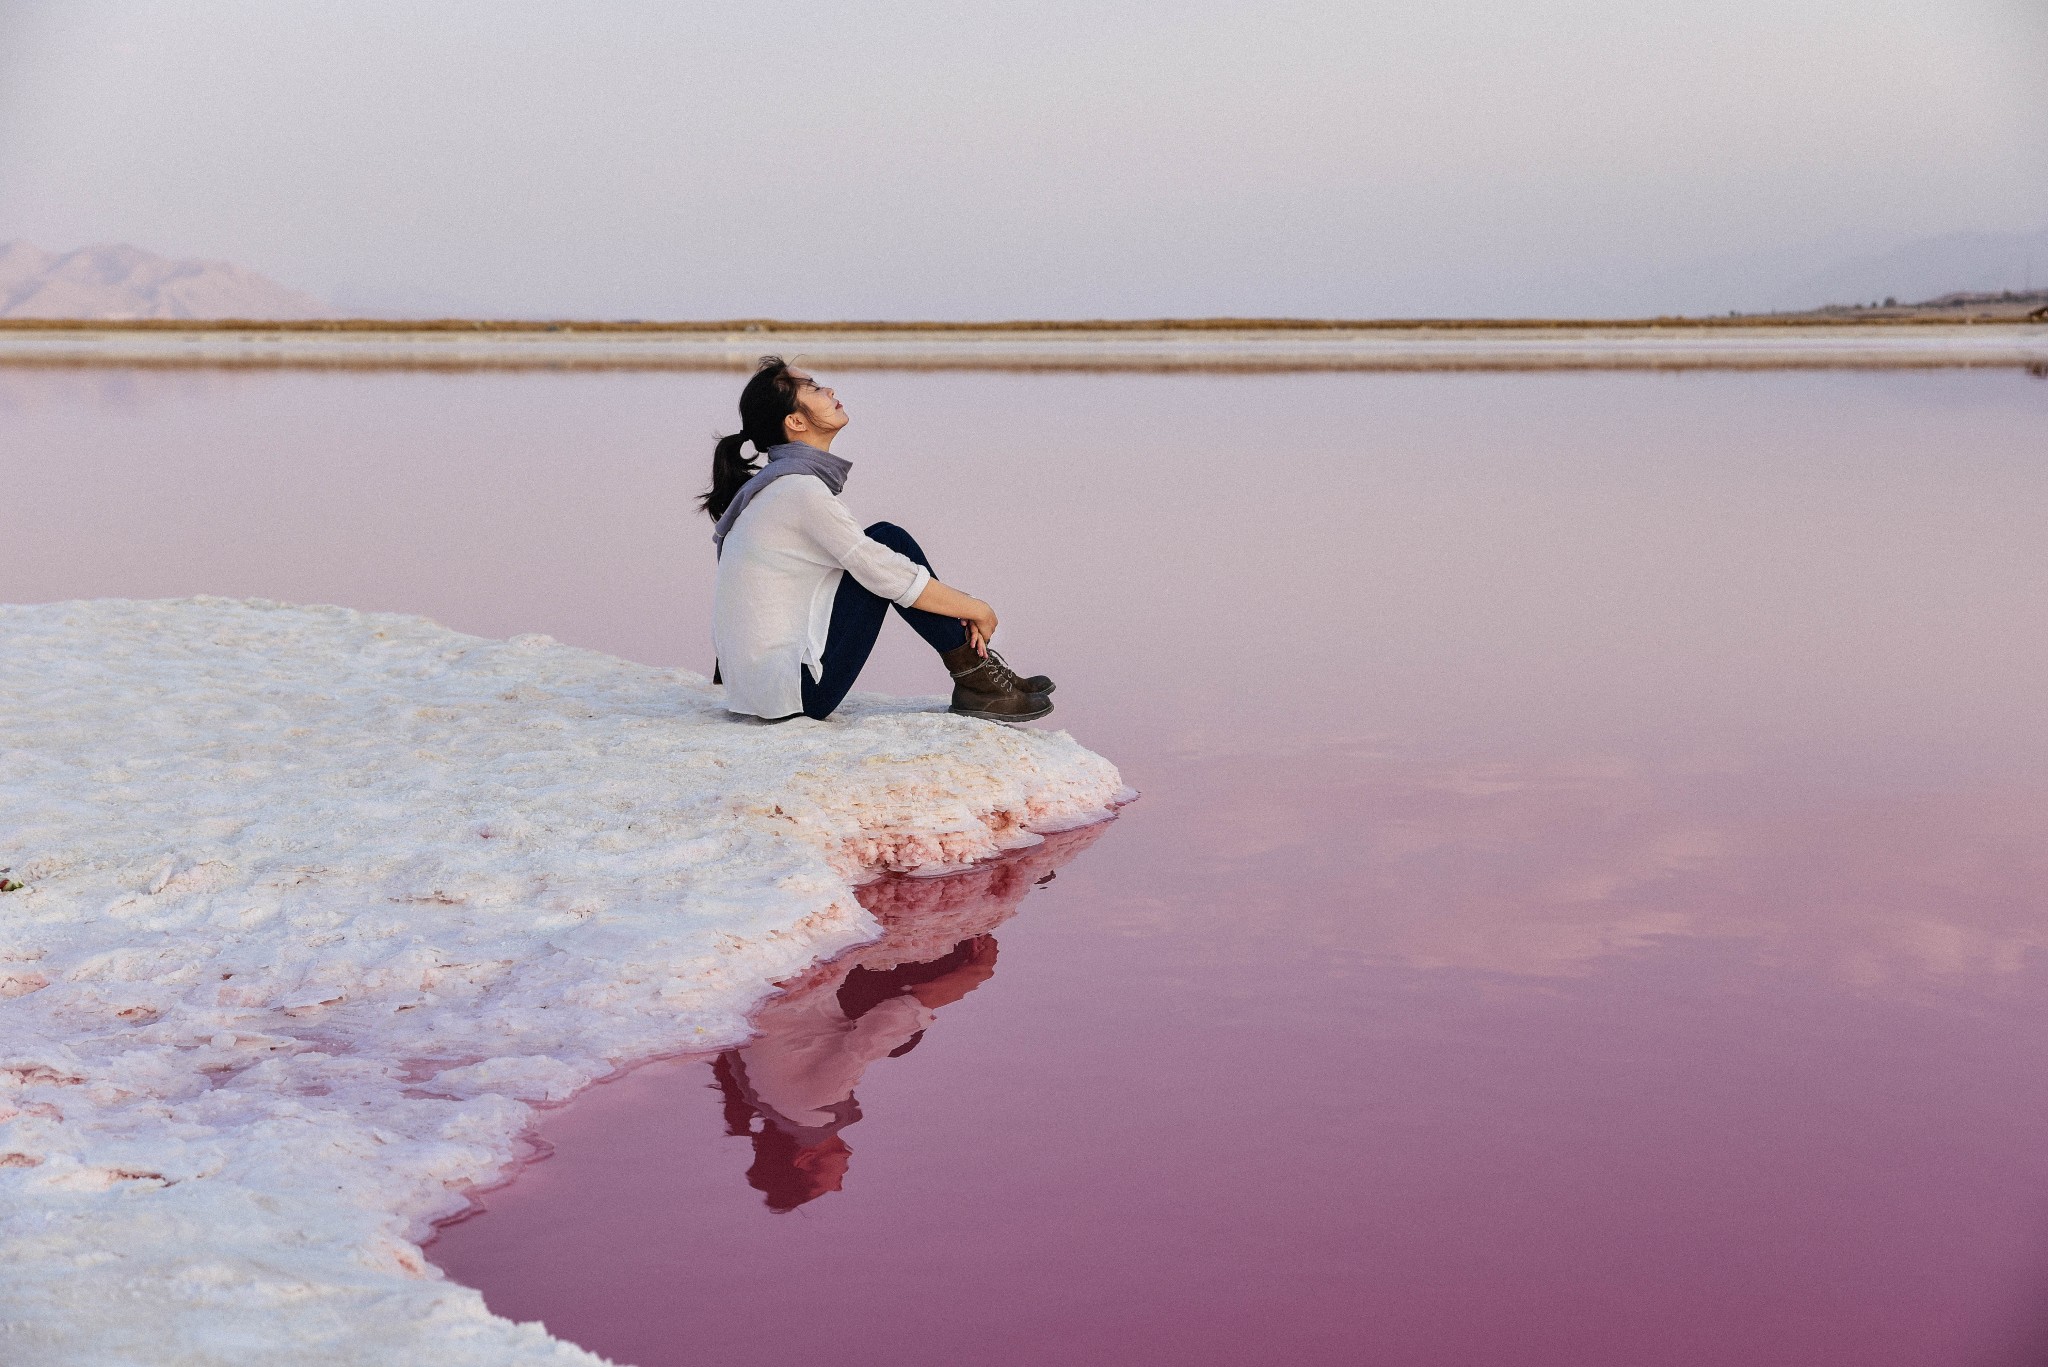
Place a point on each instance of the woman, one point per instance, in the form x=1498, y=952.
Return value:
x=802, y=590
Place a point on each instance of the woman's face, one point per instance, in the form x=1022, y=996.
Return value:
x=817, y=407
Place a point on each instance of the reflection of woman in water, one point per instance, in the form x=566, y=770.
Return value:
x=798, y=1077
x=791, y=1088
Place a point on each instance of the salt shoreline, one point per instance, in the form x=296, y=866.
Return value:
x=320, y=905
x=1676, y=347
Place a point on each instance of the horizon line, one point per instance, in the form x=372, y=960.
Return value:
x=1836, y=315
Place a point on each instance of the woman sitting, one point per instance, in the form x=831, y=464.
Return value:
x=802, y=589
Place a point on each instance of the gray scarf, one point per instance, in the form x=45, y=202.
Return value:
x=788, y=458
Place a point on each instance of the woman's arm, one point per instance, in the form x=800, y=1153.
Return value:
x=950, y=602
x=880, y=569
x=832, y=530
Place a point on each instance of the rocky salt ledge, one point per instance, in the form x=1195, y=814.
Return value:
x=315, y=905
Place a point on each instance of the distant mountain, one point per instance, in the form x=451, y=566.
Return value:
x=1954, y=263
x=127, y=282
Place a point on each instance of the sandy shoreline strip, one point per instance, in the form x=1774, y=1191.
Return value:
x=1677, y=346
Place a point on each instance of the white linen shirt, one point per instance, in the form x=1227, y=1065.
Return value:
x=777, y=574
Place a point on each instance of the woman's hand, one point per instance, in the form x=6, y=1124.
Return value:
x=980, y=624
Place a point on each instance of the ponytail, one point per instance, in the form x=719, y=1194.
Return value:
x=729, y=470
x=769, y=397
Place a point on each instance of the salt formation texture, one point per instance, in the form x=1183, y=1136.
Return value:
x=314, y=905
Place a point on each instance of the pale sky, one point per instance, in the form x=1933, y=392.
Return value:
x=1065, y=158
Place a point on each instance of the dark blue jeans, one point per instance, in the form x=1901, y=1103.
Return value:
x=857, y=617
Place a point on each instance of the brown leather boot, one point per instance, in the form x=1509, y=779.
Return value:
x=1037, y=683
x=986, y=689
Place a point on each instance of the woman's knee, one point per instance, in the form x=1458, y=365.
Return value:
x=896, y=539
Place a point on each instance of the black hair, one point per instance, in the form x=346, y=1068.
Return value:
x=770, y=396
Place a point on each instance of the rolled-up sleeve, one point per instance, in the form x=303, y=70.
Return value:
x=908, y=598
x=883, y=572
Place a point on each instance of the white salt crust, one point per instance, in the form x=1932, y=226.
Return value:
x=317, y=904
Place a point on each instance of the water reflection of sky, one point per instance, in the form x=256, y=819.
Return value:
x=1547, y=869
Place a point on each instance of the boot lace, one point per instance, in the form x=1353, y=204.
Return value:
x=1005, y=676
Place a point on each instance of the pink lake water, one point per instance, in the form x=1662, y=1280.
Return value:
x=1587, y=907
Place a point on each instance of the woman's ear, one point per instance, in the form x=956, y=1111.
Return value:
x=795, y=423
